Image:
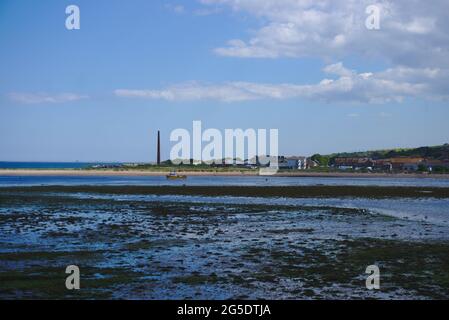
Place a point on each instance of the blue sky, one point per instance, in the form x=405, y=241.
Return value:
x=101, y=93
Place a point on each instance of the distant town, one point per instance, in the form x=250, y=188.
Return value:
x=433, y=159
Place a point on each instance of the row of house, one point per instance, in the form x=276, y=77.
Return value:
x=283, y=162
x=342, y=163
x=298, y=163
x=391, y=164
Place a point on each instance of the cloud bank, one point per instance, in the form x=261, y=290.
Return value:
x=345, y=85
x=412, y=33
x=38, y=98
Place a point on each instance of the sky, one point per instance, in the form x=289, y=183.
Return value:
x=311, y=69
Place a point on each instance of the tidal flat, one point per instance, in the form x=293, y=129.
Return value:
x=223, y=243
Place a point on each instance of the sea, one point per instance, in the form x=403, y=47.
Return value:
x=51, y=165
x=37, y=180
x=8, y=181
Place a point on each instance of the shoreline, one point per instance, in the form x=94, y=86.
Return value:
x=137, y=173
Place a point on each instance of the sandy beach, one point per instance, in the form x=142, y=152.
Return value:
x=82, y=172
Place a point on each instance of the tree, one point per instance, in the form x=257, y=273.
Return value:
x=422, y=168
x=321, y=160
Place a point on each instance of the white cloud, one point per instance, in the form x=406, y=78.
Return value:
x=177, y=8
x=344, y=85
x=37, y=98
x=207, y=11
x=412, y=32
x=192, y=91
x=339, y=70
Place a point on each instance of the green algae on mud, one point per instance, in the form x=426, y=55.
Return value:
x=419, y=269
x=49, y=283
x=318, y=273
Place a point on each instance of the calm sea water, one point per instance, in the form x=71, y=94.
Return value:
x=217, y=181
x=49, y=165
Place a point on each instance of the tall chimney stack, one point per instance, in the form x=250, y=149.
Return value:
x=158, y=147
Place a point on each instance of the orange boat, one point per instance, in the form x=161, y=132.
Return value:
x=174, y=176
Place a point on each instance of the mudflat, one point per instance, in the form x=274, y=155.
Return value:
x=252, y=191
x=130, y=246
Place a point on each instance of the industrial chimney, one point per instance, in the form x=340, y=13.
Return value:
x=158, y=148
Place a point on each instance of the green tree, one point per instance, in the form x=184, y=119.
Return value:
x=321, y=160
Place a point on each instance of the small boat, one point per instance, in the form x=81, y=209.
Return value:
x=174, y=176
